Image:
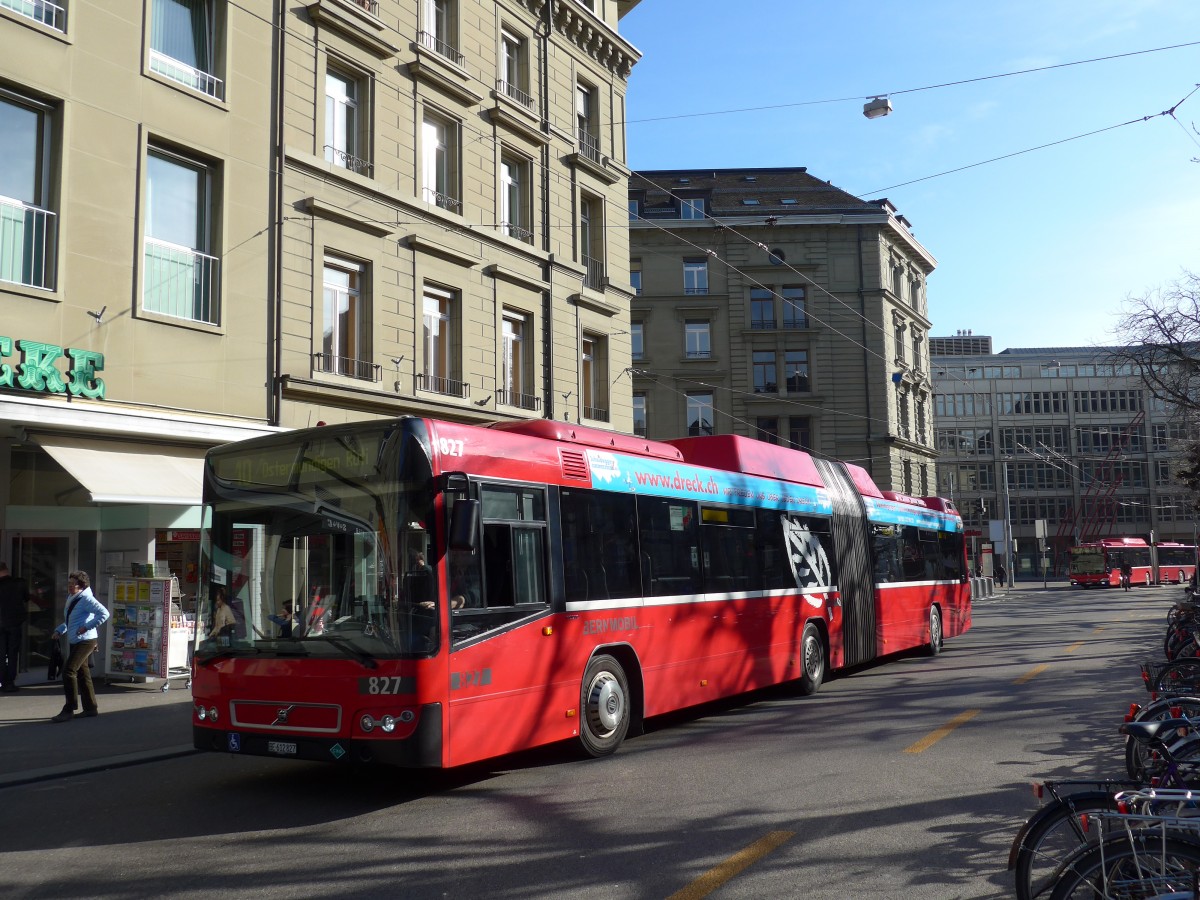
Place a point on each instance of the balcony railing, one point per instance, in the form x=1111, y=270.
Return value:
x=346, y=161
x=695, y=291
x=594, y=276
x=28, y=244
x=445, y=201
x=344, y=365
x=589, y=145
x=595, y=413
x=524, y=235
x=180, y=282
x=762, y=324
x=519, y=400
x=639, y=428
x=514, y=93
x=49, y=14
x=440, y=47
x=436, y=384
x=699, y=354
x=801, y=322
x=196, y=79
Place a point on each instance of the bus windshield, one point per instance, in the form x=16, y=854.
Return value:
x=321, y=548
x=1087, y=561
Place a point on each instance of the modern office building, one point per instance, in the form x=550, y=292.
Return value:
x=772, y=304
x=1074, y=439
x=218, y=220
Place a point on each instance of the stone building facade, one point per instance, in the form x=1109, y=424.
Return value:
x=772, y=304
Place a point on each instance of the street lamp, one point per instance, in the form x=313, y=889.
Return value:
x=1008, y=529
x=877, y=107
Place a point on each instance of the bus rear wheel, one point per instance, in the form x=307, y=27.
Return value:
x=812, y=660
x=935, y=631
x=604, y=704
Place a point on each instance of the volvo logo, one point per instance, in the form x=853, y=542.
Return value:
x=281, y=714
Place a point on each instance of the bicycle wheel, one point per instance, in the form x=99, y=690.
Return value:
x=1137, y=866
x=1137, y=753
x=1178, y=676
x=1050, y=836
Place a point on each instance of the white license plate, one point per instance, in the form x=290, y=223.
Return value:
x=284, y=747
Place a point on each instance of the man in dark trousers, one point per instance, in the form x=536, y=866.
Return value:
x=14, y=607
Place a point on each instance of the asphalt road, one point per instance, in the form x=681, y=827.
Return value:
x=904, y=779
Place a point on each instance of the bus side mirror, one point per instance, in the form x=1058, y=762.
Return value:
x=464, y=525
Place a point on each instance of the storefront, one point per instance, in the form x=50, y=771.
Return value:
x=98, y=489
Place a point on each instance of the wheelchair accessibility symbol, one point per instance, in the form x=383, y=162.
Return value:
x=235, y=743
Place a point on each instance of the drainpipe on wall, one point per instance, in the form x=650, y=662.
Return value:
x=548, y=304
x=274, y=327
x=862, y=310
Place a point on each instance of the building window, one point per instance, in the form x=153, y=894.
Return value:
x=183, y=44
x=514, y=198
x=593, y=368
x=691, y=207
x=767, y=429
x=800, y=432
x=514, y=69
x=43, y=12
x=898, y=281
x=639, y=414
x=28, y=228
x=440, y=33
x=181, y=274
x=637, y=340
x=345, y=119
x=908, y=477
x=345, y=326
x=695, y=276
x=585, y=118
x=916, y=351
x=635, y=209
x=762, y=308
x=903, y=414
x=439, y=163
x=921, y=406
x=898, y=329
x=765, y=380
x=441, y=318
x=697, y=339
x=635, y=275
x=699, y=414
x=795, y=371
x=591, y=240
x=517, y=363
x=795, y=313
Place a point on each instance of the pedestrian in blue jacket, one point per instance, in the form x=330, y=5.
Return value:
x=84, y=615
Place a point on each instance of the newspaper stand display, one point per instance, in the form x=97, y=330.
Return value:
x=149, y=636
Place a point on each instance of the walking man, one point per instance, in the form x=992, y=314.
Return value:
x=14, y=607
x=84, y=615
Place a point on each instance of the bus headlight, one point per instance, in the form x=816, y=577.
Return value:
x=212, y=713
x=367, y=724
x=388, y=723
x=201, y=712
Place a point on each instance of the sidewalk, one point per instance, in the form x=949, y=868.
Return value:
x=137, y=723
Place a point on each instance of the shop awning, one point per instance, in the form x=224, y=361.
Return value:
x=128, y=472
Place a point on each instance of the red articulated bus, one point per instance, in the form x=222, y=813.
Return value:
x=1099, y=562
x=429, y=594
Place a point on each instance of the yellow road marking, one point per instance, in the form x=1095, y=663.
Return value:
x=718, y=875
x=1075, y=646
x=1032, y=673
x=933, y=737
x=1099, y=627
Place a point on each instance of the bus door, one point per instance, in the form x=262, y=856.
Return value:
x=852, y=548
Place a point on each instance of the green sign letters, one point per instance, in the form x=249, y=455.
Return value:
x=38, y=369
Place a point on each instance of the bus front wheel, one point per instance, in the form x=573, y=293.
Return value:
x=812, y=660
x=604, y=703
x=935, y=631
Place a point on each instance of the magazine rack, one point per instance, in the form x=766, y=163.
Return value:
x=148, y=634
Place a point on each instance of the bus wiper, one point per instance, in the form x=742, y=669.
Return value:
x=225, y=654
x=349, y=649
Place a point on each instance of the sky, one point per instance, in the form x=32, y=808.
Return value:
x=1037, y=250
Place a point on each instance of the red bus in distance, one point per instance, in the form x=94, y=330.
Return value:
x=430, y=594
x=1099, y=562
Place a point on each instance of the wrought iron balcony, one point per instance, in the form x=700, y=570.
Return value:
x=594, y=276
x=344, y=365
x=800, y=322
x=440, y=47
x=28, y=244
x=196, y=79
x=699, y=354
x=524, y=235
x=514, y=93
x=695, y=291
x=589, y=145
x=180, y=282
x=639, y=428
x=49, y=14
x=445, y=201
x=436, y=384
x=346, y=161
x=519, y=400
x=595, y=413
x=762, y=324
